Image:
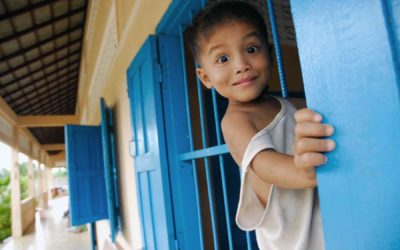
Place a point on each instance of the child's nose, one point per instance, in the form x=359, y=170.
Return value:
x=242, y=65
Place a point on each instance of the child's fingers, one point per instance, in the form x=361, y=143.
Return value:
x=310, y=173
x=308, y=161
x=305, y=145
x=307, y=115
x=310, y=129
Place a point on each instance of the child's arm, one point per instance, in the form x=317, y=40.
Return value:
x=283, y=170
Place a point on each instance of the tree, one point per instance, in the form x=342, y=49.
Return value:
x=5, y=201
x=23, y=173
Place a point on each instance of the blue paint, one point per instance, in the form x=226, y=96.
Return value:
x=114, y=173
x=210, y=190
x=187, y=209
x=277, y=47
x=392, y=15
x=87, y=194
x=152, y=177
x=222, y=169
x=109, y=168
x=348, y=57
x=202, y=153
x=183, y=172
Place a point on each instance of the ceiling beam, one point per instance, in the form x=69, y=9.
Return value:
x=43, y=42
x=39, y=102
x=38, y=58
x=42, y=68
x=46, y=120
x=74, y=65
x=26, y=9
x=42, y=25
x=51, y=109
x=50, y=147
x=7, y=113
x=58, y=157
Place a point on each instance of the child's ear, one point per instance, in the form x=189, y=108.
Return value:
x=203, y=77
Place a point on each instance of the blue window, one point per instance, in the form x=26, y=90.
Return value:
x=92, y=172
x=110, y=167
x=85, y=174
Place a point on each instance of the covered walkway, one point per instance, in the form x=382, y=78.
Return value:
x=50, y=231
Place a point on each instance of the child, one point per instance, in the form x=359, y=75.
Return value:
x=276, y=147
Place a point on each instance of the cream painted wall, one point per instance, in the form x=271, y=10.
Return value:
x=133, y=22
x=129, y=206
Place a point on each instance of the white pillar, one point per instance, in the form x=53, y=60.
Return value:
x=16, y=218
x=40, y=180
x=31, y=174
x=44, y=179
x=49, y=182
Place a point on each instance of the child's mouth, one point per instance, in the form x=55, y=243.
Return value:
x=245, y=81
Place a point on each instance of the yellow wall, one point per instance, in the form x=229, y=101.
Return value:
x=133, y=22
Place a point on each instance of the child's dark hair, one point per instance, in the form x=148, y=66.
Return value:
x=221, y=13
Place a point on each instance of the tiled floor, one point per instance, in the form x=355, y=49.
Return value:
x=50, y=232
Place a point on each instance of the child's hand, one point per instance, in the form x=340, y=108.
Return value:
x=308, y=143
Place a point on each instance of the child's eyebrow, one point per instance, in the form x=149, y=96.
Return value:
x=214, y=48
x=249, y=35
x=252, y=34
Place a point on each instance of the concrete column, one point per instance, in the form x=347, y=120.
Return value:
x=16, y=218
x=40, y=180
x=31, y=178
x=44, y=186
x=31, y=174
x=49, y=177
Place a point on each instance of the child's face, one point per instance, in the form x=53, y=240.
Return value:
x=235, y=61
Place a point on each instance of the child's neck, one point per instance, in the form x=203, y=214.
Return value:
x=261, y=98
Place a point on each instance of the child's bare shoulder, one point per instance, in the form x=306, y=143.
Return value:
x=238, y=128
x=236, y=120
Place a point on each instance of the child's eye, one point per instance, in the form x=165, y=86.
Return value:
x=252, y=49
x=222, y=59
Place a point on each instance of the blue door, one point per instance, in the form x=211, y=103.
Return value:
x=87, y=192
x=350, y=54
x=152, y=175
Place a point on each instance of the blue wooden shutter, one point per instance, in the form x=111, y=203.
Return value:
x=152, y=177
x=349, y=53
x=86, y=174
x=110, y=172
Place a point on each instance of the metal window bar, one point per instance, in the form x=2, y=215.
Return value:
x=207, y=166
x=277, y=47
x=189, y=122
x=222, y=169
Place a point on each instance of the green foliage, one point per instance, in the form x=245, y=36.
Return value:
x=62, y=172
x=23, y=169
x=24, y=187
x=23, y=172
x=5, y=201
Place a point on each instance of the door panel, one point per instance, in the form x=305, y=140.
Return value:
x=87, y=192
x=351, y=75
x=150, y=156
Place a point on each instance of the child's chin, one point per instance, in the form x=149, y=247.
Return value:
x=247, y=98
